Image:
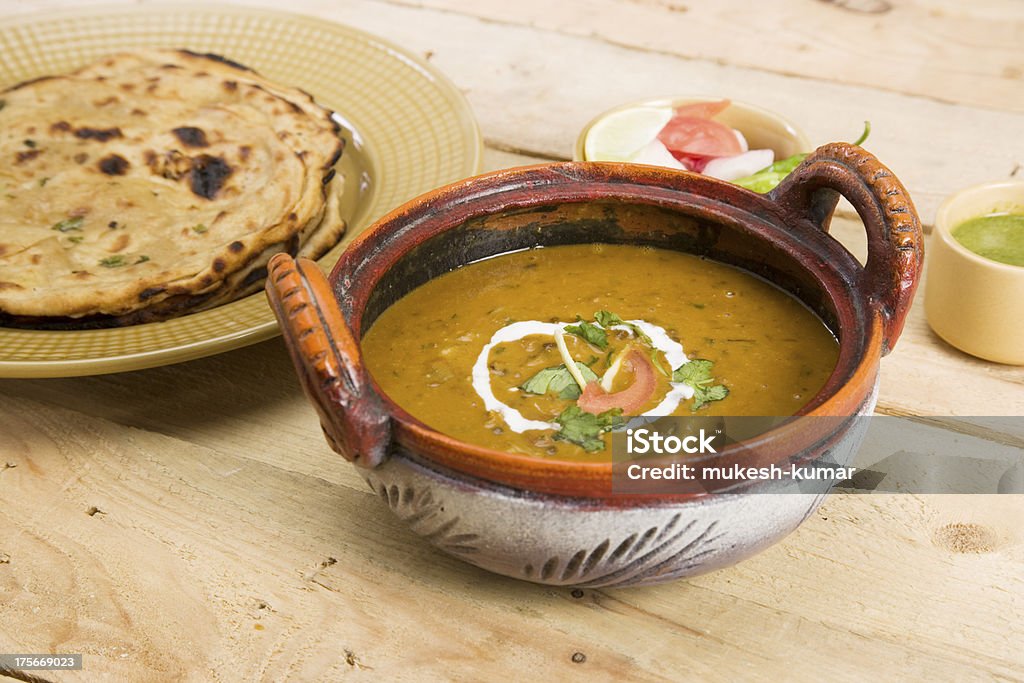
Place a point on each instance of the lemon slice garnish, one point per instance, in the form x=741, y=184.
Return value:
x=619, y=136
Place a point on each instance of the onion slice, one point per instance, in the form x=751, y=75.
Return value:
x=741, y=165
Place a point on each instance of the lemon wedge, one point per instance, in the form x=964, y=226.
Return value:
x=622, y=134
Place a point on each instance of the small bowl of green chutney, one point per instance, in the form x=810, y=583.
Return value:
x=974, y=293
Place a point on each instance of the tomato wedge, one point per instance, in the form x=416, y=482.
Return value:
x=596, y=400
x=694, y=139
x=703, y=110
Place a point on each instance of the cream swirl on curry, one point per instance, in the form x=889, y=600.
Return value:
x=660, y=340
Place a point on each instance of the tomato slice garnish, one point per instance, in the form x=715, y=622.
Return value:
x=596, y=400
x=695, y=139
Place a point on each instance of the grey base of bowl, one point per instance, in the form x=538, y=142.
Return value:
x=576, y=542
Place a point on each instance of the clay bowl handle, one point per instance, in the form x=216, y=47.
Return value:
x=895, y=242
x=327, y=360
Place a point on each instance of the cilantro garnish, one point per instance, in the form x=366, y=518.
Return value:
x=69, y=224
x=557, y=380
x=115, y=261
x=199, y=228
x=585, y=429
x=697, y=374
x=606, y=319
x=589, y=332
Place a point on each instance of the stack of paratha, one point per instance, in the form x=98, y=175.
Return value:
x=156, y=183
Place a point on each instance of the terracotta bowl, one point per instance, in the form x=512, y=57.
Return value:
x=559, y=522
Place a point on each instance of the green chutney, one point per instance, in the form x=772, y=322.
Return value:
x=999, y=237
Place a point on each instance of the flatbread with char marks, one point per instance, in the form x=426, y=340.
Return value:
x=156, y=183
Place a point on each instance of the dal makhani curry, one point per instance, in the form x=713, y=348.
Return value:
x=543, y=352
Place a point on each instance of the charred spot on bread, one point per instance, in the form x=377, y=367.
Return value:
x=98, y=134
x=114, y=164
x=26, y=155
x=208, y=175
x=190, y=136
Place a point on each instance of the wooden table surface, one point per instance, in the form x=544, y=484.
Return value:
x=190, y=523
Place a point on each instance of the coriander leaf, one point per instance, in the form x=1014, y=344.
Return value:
x=142, y=258
x=704, y=395
x=199, y=228
x=585, y=429
x=694, y=373
x=571, y=392
x=539, y=383
x=115, y=261
x=69, y=224
x=697, y=374
x=590, y=333
x=557, y=380
x=75, y=239
x=607, y=319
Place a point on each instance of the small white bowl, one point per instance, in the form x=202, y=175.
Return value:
x=763, y=129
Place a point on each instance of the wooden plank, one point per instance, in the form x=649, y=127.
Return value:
x=190, y=522
x=533, y=90
x=950, y=51
x=160, y=558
